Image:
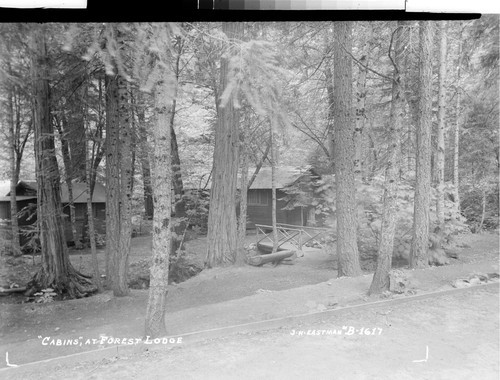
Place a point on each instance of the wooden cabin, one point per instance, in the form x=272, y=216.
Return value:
x=26, y=207
x=288, y=210
x=26, y=197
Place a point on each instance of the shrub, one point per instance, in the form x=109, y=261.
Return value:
x=370, y=208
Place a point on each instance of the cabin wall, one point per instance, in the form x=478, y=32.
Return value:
x=5, y=210
x=99, y=215
x=28, y=218
x=259, y=209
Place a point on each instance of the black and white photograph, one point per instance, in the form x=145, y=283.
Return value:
x=250, y=199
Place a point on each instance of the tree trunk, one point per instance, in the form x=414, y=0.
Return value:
x=14, y=175
x=441, y=127
x=148, y=189
x=483, y=211
x=419, y=254
x=179, y=222
x=113, y=225
x=68, y=168
x=222, y=234
x=331, y=116
x=361, y=91
x=98, y=145
x=76, y=128
x=273, y=190
x=456, y=132
x=374, y=157
x=456, y=150
x=119, y=283
x=380, y=282
x=242, y=223
x=90, y=224
x=72, y=135
x=347, y=247
x=145, y=165
x=56, y=271
x=162, y=185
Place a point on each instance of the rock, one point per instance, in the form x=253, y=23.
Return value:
x=474, y=281
x=481, y=277
x=399, y=281
x=252, y=247
x=460, y=283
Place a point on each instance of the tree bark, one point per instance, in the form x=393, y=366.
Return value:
x=119, y=177
x=483, y=210
x=331, y=116
x=419, y=254
x=347, y=247
x=68, y=168
x=273, y=190
x=113, y=225
x=145, y=164
x=56, y=271
x=120, y=265
x=361, y=91
x=242, y=222
x=76, y=127
x=90, y=224
x=456, y=132
x=222, y=234
x=99, y=145
x=14, y=174
x=162, y=185
x=441, y=127
x=72, y=136
x=380, y=282
x=179, y=222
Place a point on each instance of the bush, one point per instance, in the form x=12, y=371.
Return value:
x=197, y=203
x=370, y=217
x=472, y=207
x=181, y=269
x=370, y=208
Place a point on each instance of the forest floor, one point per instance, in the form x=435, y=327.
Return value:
x=229, y=296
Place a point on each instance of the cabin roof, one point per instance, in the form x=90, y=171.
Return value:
x=80, y=193
x=285, y=176
x=27, y=190
x=4, y=188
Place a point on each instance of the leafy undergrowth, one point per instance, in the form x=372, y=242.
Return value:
x=181, y=269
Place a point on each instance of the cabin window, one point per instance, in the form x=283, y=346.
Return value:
x=257, y=198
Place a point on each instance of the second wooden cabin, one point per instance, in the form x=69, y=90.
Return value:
x=293, y=194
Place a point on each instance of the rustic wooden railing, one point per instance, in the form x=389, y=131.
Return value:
x=297, y=236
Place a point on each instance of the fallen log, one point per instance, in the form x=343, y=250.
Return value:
x=5, y=292
x=275, y=258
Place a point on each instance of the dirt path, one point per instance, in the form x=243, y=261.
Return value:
x=450, y=337
x=215, y=298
